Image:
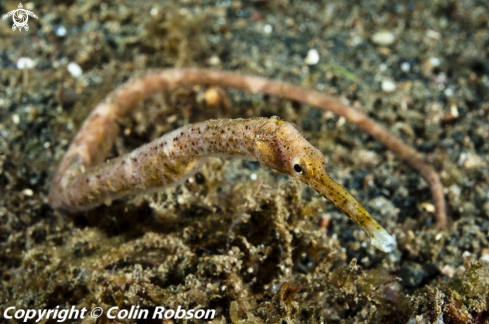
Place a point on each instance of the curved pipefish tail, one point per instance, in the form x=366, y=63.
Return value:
x=344, y=201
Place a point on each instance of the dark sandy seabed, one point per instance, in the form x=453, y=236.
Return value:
x=239, y=238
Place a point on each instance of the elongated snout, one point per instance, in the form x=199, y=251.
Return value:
x=344, y=201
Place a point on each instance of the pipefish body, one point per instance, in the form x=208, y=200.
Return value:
x=174, y=157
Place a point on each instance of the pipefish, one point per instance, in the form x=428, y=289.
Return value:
x=82, y=182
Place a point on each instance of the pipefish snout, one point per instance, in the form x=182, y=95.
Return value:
x=283, y=148
x=174, y=157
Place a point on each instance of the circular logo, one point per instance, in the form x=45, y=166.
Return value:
x=20, y=18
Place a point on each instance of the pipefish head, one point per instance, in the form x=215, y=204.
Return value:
x=280, y=146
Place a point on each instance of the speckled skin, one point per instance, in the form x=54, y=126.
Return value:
x=166, y=161
x=176, y=156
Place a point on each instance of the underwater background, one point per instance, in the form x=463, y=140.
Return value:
x=241, y=239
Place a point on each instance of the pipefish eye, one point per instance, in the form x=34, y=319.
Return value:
x=298, y=168
x=301, y=168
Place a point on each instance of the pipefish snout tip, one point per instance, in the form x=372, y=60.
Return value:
x=383, y=240
x=344, y=201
